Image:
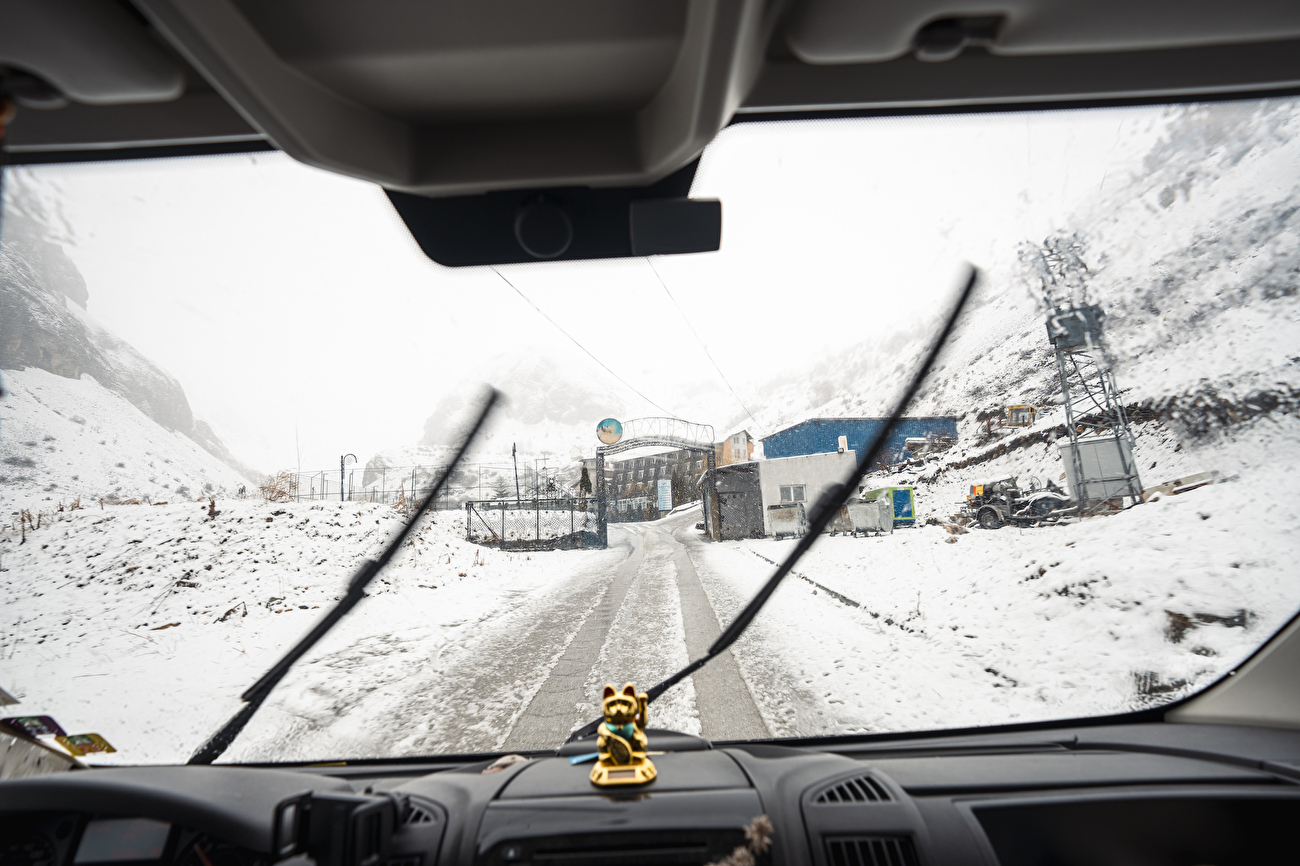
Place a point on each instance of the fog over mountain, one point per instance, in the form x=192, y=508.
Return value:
x=44, y=324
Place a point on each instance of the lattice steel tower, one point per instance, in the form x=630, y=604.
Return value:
x=1098, y=458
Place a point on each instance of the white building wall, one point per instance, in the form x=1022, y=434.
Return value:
x=816, y=472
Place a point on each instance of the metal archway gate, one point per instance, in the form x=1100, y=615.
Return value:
x=656, y=432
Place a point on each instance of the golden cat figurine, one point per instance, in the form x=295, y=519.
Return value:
x=621, y=742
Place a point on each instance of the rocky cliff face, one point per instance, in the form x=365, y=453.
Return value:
x=44, y=324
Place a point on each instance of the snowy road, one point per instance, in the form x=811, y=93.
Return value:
x=654, y=618
x=529, y=672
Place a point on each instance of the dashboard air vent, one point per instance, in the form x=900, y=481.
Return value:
x=417, y=814
x=861, y=789
x=871, y=851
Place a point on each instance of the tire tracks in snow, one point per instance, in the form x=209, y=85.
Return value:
x=461, y=694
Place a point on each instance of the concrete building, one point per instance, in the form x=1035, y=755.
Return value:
x=633, y=484
x=801, y=479
x=747, y=490
x=821, y=435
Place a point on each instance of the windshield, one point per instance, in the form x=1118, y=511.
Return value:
x=229, y=380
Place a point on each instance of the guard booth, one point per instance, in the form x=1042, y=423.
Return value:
x=902, y=502
x=733, y=502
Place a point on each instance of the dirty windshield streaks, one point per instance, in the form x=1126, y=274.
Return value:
x=228, y=381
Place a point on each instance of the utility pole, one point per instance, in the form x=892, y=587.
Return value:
x=342, y=464
x=516, y=460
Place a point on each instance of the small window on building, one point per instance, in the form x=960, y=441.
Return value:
x=792, y=493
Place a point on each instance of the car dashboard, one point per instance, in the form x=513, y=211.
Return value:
x=1139, y=793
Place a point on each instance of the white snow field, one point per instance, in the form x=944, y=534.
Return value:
x=63, y=438
x=144, y=623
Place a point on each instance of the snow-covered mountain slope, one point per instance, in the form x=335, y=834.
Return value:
x=44, y=325
x=62, y=439
x=1193, y=256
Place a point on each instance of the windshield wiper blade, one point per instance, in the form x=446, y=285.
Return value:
x=258, y=692
x=823, y=513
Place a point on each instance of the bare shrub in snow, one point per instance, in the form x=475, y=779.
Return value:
x=280, y=487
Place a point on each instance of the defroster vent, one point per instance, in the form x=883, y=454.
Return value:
x=871, y=851
x=860, y=789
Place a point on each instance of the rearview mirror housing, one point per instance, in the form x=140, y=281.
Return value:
x=568, y=224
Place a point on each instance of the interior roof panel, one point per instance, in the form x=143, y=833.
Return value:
x=871, y=31
x=451, y=99
x=425, y=61
x=978, y=78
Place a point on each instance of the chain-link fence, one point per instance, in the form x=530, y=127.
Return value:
x=533, y=524
x=408, y=485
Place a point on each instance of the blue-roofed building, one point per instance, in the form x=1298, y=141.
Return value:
x=820, y=435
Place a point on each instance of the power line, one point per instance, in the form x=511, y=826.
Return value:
x=580, y=346
x=700, y=341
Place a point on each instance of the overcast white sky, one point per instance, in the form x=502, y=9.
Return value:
x=289, y=300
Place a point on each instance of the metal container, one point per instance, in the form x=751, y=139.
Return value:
x=1108, y=469
x=876, y=516
x=788, y=518
x=902, y=503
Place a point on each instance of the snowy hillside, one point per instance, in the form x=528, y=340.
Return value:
x=1094, y=618
x=62, y=439
x=1193, y=256
x=176, y=613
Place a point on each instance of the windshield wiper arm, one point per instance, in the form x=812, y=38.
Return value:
x=258, y=692
x=823, y=513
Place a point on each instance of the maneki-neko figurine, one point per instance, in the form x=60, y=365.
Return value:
x=621, y=742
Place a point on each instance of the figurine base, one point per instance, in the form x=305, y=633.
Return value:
x=640, y=771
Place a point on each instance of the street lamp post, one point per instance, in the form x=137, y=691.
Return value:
x=343, y=462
